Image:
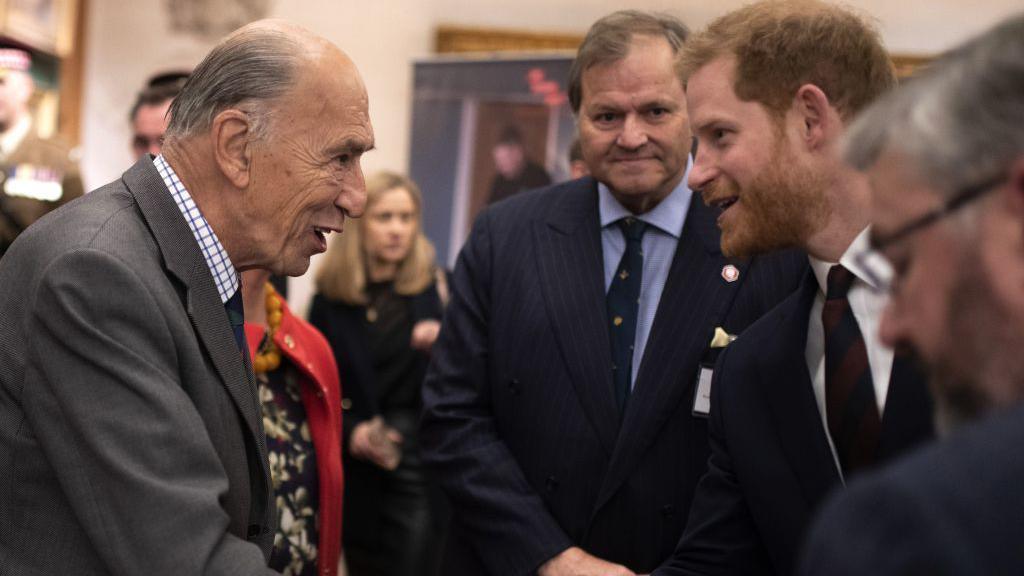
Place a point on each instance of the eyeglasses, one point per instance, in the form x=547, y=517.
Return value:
x=877, y=267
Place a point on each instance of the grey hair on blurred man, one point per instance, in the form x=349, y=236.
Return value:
x=945, y=155
x=131, y=440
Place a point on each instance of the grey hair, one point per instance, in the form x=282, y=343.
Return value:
x=960, y=121
x=247, y=70
x=609, y=40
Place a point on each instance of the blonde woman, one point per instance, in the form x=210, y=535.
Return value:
x=379, y=303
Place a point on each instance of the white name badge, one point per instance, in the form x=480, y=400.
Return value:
x=702, y=398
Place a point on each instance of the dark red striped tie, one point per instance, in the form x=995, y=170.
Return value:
x=850, y=405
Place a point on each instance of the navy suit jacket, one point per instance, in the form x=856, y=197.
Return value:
x=771, y=465
x=953, y=508
x=520, y=423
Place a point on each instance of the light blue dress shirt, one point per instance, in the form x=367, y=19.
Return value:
x=659, y=246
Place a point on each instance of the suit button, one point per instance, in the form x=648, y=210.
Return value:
x=346, y=404
x=289, y=341
x=551, y=484
x=668, y=511
x=513, y=386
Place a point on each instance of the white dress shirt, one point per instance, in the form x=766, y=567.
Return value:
x=867, y=304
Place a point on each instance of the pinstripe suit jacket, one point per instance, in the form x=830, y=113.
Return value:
x=130, y=434
x=520, y=422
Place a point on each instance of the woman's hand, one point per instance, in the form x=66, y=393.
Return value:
x=376, y=442
x=424, y=334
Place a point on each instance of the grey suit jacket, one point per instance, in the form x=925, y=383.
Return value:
x=130, y=434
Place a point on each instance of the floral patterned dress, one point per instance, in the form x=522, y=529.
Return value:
x=293, y=472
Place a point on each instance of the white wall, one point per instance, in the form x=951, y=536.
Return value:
x=127, y=41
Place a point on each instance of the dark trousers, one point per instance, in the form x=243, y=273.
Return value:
x=394, y=521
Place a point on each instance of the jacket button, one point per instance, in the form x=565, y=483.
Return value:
x=551, y=484
x=668, y=511
x=346, y=404
x=289, y=341
x=513, y=386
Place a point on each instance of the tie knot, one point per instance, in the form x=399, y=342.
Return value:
x=632, y=228
x=839, y=281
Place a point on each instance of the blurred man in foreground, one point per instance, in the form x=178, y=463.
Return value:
x=945, y=155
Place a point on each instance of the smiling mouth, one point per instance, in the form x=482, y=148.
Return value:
x=322, y=233
x=723, y=204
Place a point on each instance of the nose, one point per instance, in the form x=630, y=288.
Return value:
x=702, y=170
x=633, y=134
x=352, y=199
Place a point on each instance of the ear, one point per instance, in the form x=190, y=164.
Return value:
x=816, y=116
x=231, y=135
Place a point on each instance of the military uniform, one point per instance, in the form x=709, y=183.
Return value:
x=35, y=177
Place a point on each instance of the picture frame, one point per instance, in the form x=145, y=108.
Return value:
x=467, y=39
x=44, y=25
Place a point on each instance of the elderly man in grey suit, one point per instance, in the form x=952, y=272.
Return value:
x=130, y=437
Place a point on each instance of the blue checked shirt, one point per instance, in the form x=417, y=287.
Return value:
x=224, y=274
x=659, y=246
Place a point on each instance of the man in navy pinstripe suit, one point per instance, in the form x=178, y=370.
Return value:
x=563, y=414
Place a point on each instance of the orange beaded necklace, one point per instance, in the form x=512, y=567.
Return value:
x=268, y=358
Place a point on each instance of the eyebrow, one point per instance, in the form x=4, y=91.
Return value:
x=354, y=146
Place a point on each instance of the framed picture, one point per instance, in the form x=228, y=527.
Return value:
x=488, y=86
x=45, y=25
x=483, y=129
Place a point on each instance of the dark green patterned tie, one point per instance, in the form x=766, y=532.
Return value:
x=623, y=308
x=236, y=315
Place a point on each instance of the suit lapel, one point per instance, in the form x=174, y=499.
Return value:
x=788, y=392
x=693, y=302
x=571, y=269
x=184, y=259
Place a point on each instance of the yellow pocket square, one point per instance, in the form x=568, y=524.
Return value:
x=721, y=339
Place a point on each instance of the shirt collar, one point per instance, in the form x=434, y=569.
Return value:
x=848, y=260
x=668, y=216
x=223, y=271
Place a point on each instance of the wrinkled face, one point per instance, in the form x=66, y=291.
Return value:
x=509, y=160
x=947, y=306
x=389, y=226
x=306, y=176
x=748, y=167
x=633, y=126
x=148, y=129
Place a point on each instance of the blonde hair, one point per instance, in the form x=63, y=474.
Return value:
x=343, y=275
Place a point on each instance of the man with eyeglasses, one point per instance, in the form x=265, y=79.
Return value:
x=945, y=156
x=807, y=397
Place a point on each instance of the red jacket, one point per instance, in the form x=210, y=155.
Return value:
x=308, y=351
